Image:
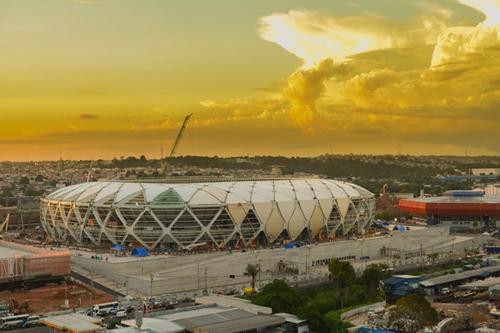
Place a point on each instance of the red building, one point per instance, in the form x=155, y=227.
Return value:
x=459, y=209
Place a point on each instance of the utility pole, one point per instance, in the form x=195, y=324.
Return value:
x=197, y=276
x=260, y=269
x=92, y=292
x=151, y=287
x=206, y=280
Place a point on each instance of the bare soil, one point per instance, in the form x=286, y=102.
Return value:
x=52, y=298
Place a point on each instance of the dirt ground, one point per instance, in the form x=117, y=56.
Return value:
x=52, y=298
x=478, y=312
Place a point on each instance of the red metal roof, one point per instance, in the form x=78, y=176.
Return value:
x=452, y=206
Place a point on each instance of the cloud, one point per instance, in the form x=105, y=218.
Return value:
x=305, y=87
x=490, y=9
x=313, y=36
x=456, y=44
x=88, y=116
x=85, y=2
x=296, y=101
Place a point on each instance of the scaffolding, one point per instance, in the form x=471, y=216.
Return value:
x=35, y=262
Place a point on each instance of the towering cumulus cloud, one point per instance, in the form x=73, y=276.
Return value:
x=305, y=87
x=457, y=44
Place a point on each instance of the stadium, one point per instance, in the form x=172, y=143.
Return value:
x=227, y=214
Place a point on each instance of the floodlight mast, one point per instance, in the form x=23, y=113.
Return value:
x=177, y=141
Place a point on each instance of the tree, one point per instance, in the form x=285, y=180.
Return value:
x=412, y=313
x=334, y=323
x=314, y=318
x=24, y=181
x=279, y=296
x=372, y=276
x=384, y=215
x=30, y=191
x=343, y=276
x=252, y=271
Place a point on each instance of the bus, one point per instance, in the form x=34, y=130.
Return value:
x=33, y=321
x=105, y=308
x=11, y=322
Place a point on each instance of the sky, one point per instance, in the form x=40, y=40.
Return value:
x=87, y=79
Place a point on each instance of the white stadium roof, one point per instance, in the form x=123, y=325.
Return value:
x=213, y=193
x=192, y=213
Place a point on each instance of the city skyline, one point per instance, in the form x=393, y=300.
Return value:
x=101, y=79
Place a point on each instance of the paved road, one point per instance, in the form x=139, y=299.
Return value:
x=41, y=329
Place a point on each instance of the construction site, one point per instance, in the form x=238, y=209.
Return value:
x=37, y=280
x=188, y=275
x=53, y=297
x=30, y=264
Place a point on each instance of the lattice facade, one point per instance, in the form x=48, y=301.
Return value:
x=221, y=214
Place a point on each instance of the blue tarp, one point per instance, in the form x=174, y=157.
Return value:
x=118, y=247
x=372, y=330
x=140, y=252
x=290, y=245
x=400, y=228
x=493, y=249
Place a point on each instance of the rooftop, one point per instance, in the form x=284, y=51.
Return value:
x=241, y=325
x=73, y=322
x=213, y=318
x=460, y=276
x=153, y=324
x=234, y=302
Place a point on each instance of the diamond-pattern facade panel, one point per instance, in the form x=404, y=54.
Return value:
x=275, y=224
x=222, y=228
x=249, y=226
x=186, y=229
x=297, y=223
x=238, y=212
x=317, y=221
x=170, y=216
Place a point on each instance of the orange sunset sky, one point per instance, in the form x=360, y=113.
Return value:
x=87, y=79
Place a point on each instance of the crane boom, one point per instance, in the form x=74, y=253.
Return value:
x=179, y=136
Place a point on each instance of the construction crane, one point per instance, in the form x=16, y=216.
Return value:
x=179, y=136
x=177, y=140
x=89, y=174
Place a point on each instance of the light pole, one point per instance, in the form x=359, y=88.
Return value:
x=151, y=287
x=206, y=280
x=260, y=269
x=197, y=276
x=92, y=292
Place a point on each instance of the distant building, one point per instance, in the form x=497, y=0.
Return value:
x=435, y=285
x=398, y=286
x=458, y=209
x=495, y=293
x=486, y=172
x=492, y=189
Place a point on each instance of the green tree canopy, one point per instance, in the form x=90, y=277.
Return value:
x=343, y=276
x=252, y=271
x=412, y=313
x=334, y=323
x=372, y=276
x=314, y=318
x=24, y=180
x=280, y=297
